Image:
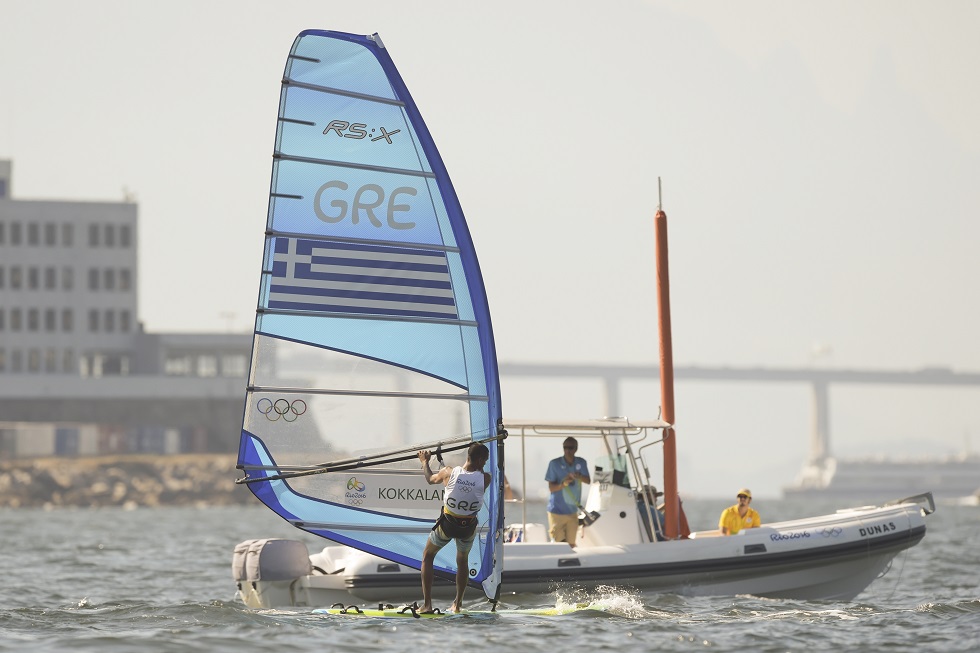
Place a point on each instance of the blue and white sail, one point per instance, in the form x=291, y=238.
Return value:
x=372, y=334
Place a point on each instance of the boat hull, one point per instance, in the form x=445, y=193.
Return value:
x=832, y=557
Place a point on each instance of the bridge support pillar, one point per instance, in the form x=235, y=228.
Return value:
x=820, y=433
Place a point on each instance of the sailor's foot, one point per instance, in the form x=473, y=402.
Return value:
x=455, y=608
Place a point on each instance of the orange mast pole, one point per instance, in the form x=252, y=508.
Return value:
x=671, y=504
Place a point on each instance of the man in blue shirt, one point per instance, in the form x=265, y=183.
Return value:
x=565, y=477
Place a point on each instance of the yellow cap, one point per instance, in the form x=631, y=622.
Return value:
x=746, y=492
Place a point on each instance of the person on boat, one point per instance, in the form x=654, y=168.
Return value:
x=465, y=486
x=565, y=476
x=654, y=511
x=735, y=518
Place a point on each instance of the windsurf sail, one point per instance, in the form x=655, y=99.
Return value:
x=372, y=333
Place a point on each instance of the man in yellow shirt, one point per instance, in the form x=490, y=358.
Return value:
x=735, y=518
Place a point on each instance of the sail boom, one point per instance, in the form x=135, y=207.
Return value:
x=422, y=528
x=326, y=526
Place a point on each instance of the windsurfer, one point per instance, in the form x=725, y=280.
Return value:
x=735, y=518
x=465, y=486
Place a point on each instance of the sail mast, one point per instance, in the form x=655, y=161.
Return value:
x=671, y=504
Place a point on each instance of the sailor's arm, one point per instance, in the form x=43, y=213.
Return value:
x=432, y=478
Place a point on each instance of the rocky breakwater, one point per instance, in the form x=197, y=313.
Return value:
x=128, y=481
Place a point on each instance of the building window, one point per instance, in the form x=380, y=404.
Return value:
x=3, y=231
x=15, y=233
x=3, y=320
x=33, y=234
x=67, y=319
x=93, y=235
x=67, y=234
x=93, y=320
x=3, y=359
x=233, y=365
x=2, y=279
x=207, y=366
x=178, y=366
x=93, y=279
x=110, y=320
x=124, y=323
x=125, y=235
x=33, y=278
x=50, y=319
x=16, y=360
x=50, y=360
x=34, y=360
x=67, y=278
x=16, y=277
x=50, y=279
x=68, y=361
x=33, y=319
x=109, y=279
x=125, y=280
x=15, y=319
x=110, y=235
x=50, y=234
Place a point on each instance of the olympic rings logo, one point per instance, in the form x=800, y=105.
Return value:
x=288, y=411
x=354, y=484
x=355, y=502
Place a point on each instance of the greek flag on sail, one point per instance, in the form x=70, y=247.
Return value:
x=340, y=277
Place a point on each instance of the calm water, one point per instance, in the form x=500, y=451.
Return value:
x=157, y=580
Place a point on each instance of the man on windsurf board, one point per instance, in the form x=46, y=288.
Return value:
x=465, y=486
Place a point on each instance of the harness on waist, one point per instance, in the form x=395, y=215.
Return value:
x=454, y=526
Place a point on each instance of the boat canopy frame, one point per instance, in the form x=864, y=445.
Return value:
x=619, y=435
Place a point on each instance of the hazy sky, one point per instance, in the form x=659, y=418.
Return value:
x=820, y=163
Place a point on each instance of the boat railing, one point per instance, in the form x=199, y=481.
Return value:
x=923, y=498
x=617, y=436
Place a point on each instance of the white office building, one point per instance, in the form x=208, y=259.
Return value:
x=68, y=275
x=74, y=355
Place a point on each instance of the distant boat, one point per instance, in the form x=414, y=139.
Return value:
x=393, y=361
x=874, y=479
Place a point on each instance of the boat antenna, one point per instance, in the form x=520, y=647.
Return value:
x=660, y=196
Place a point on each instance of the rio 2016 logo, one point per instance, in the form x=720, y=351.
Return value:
x=355, y=495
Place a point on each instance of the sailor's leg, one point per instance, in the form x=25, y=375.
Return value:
x=462, y=571
x=428, y=561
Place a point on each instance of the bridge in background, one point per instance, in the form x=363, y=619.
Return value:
x=612, y=376
x=215, y=404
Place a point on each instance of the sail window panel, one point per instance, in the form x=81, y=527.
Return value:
x=431, y=348
x=355, y=203
x=346, y=129
x=282, y=363
x=307, y=429
x=350, y=67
